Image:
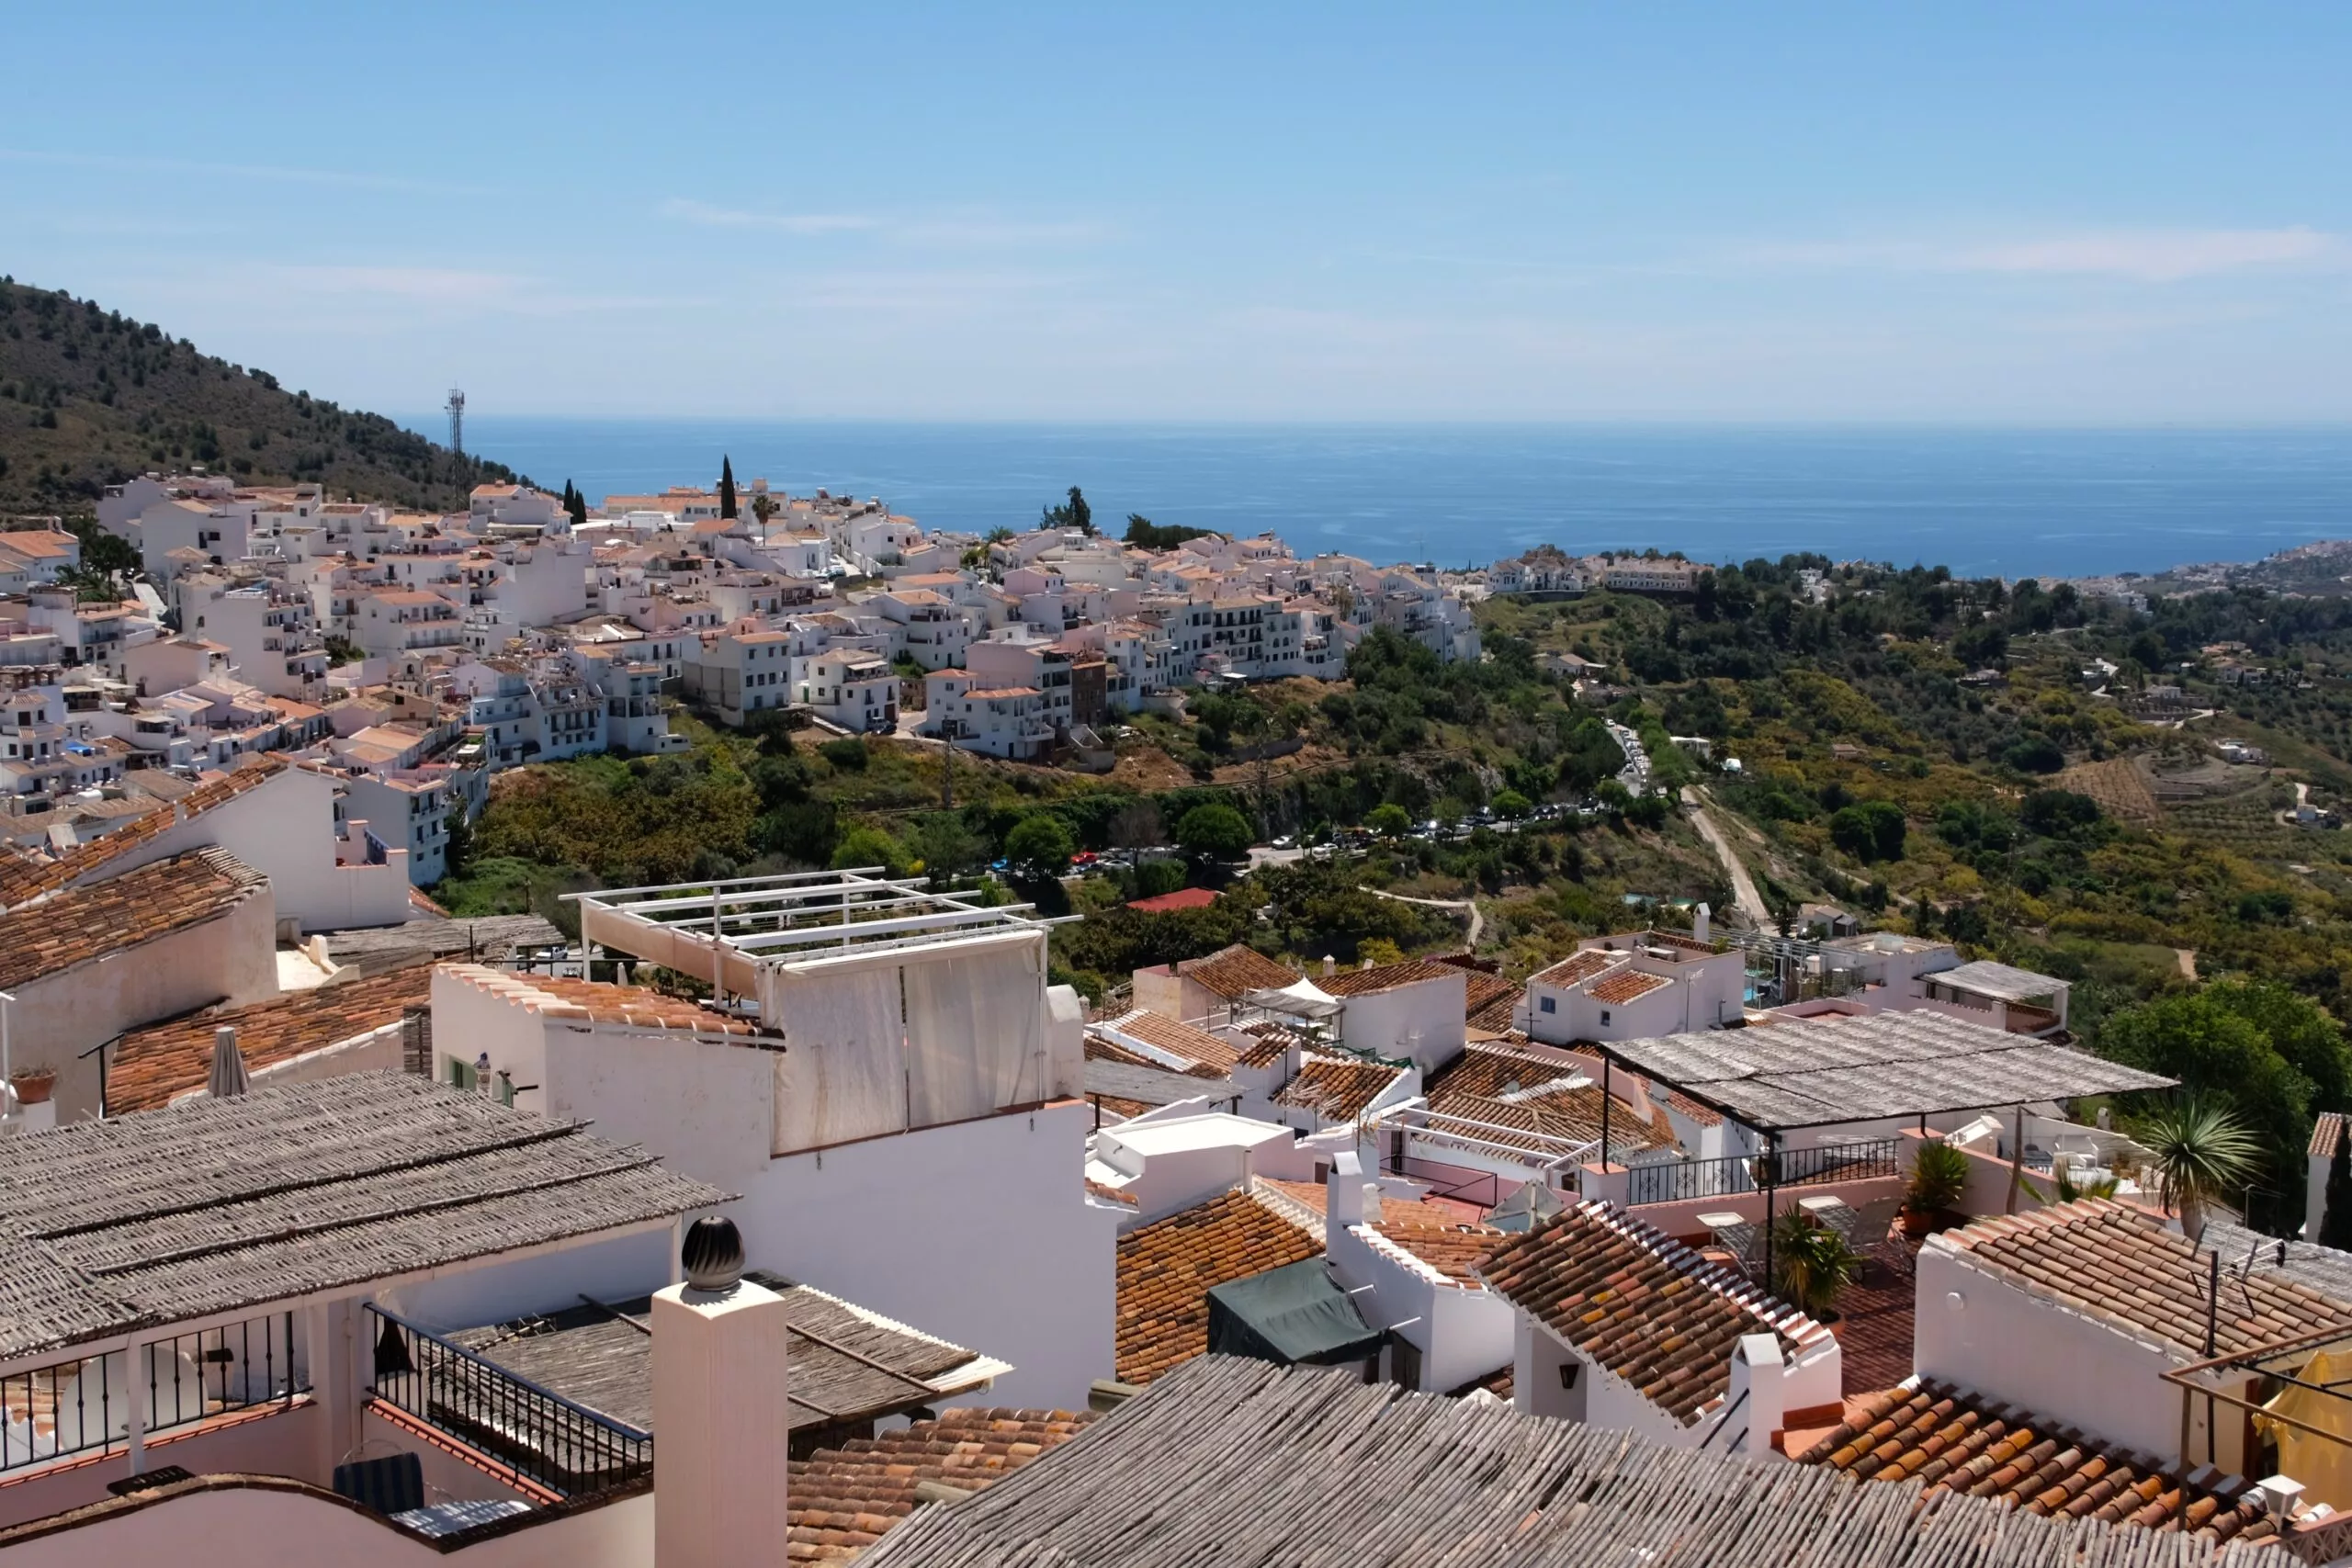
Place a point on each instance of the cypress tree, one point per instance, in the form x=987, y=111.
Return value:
x=726, y=487
x=2336, y=1223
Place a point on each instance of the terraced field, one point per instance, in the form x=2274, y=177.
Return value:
x=2119, y=787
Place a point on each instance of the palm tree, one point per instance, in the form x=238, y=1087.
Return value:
x=2201, y=1153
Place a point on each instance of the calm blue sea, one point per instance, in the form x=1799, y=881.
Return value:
x=2019, y=503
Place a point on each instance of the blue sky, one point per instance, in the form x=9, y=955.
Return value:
x=2070, y=213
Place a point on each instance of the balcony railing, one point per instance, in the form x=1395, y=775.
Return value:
x=1677, y=1182
x=566, y=1448
x=84, y=1406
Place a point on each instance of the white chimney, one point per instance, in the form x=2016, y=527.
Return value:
x=718, y=1402
x=2282, y=1494
x=1344, y=1188
x=1755, y=1371
x=1699, y=921
x=1365, y=963
x=1331, y=965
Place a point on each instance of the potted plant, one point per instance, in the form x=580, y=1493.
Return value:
x=2199, y=1153
x=1938, y=1176
x=31, y=1086
x=1811, y=1264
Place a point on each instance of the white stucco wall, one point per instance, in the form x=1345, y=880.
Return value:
x=1461, y=1334
x=285, y=830
x=977, y=1231
x=1977, y=1331
x=1421, y=1020
x=60, y=1016
x=257, y=1528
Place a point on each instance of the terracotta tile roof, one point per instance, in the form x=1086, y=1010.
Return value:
x=1952, y=1440
x=84, y=924
x=1336, y=1087
x=2325, y=1132
x=1193, y=1045
x=1273, y=1039
x=24, y=880
x=1703, y=1115
x=592, y=1001
x=1451, y=1252
x=1625, y=987
x=1237, y=971
x=1577, y=967
x=1503, y=1088
x=1118, y=1110
x=843, y=1500
x=1183, y=898
x=1110, y=1194
x=1167, y=1269
x=1099, y=1049
x=2114, y=1263
x=1495, y=1013
x=1313, y=1195
x=1640, y=1304
x=1485, y=1070
x=1388, y=976
x=150, y=1066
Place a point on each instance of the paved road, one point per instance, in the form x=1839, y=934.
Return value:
x=1743, y=886
x=1478, y=921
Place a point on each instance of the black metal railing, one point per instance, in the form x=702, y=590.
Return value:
x=84, y=1406
x=566, y=1448
x=1677, y=1182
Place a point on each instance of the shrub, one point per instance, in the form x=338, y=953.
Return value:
x=847, y=753
x=1938, y=1176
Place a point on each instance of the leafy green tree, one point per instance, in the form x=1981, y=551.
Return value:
x=1389, y=821
x=726, y=487
x=1143, y=532
x=946, y=845
x=869, y=845
x=1509, y=803
x=2255, y=1050
x=1869, y=830
x=1214, y=831
x=1040, y=843
x=1154, y=877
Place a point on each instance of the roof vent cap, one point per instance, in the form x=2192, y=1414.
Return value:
x=713, y=1255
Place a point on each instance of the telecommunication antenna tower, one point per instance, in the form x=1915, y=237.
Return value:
x=457, y=421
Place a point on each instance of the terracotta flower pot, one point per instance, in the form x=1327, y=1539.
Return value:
x=33, y=1086
x=1915, y=1222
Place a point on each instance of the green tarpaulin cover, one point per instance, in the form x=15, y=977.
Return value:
x=1289, y=1315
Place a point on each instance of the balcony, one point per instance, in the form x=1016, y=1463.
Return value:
x=83, y=1408
x=544, y=1437
x=1682, y=1181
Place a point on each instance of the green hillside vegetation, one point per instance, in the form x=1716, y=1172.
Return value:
x=89, y=398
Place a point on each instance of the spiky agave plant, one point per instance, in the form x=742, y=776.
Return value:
x=2199, y=1151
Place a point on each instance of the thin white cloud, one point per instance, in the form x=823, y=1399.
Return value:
x=2143, y=255
x=712, y=217
x=450, y=290
x=348, y=178
x=941, y=231
x=2162, y=255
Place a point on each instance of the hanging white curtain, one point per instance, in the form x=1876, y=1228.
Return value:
x=843, y=1073
x=976, y=1027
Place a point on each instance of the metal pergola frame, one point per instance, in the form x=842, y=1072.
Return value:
x=797, y=916
x=1768, y=1128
